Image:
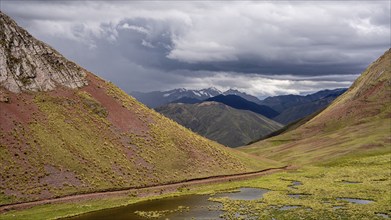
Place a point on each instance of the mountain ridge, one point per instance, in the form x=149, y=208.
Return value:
x=244, y=95
x=217, y=121
x=238, y=102
x=282, y=102
x=291, y=107
x=307, y=105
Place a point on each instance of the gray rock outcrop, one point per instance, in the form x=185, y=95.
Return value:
x=27, y=64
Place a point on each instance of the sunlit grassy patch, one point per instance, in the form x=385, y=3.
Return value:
x=161, y=213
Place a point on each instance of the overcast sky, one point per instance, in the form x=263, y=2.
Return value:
x=262, y=47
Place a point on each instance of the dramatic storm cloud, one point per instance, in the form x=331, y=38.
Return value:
x=263, y=48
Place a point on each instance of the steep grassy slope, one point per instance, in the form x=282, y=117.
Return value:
x=62, y=140
x=289, y=127
x=219, y=122
x=356, y=122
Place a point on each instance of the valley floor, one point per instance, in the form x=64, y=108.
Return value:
x=323, y=191
x=141, y=192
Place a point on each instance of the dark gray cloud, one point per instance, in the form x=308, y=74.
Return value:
x=264, y=48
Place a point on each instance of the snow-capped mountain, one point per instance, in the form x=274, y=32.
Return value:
x=158, y=98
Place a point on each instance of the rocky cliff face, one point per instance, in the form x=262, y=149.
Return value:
x=27, y=64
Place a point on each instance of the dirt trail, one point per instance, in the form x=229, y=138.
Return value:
x=144, y=191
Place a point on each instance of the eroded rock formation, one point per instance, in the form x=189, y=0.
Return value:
x=27, y=64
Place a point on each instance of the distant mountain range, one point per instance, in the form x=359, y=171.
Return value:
x=284, y=109
x=295, y=107
x=158, y=98
x=234, y=121
x=282, y=102
x=217, y=121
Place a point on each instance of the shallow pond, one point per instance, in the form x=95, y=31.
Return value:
x=356, y=201
x=350, y=182
x=182, y=207
x=244, y=194
x=295, y=184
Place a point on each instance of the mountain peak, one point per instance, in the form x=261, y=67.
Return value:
x=231, y=90
x=243, y=95
x=212, y=89
x=27, y=64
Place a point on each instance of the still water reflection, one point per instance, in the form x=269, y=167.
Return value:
x=196, y=206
